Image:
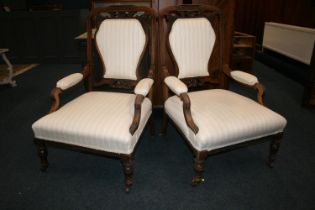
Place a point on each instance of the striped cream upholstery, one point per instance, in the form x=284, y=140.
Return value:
x=224, y=118
x=143, y=87
x=191, y=41
x=244, y=77
x=177, y=86
x=69, y=81
x=96, y=120
x=121, y=43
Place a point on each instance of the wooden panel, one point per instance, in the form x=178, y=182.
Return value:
x=251, y=14
x=166, y=3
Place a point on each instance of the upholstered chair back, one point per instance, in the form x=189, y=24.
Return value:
x=191, y=41
x=121, y=43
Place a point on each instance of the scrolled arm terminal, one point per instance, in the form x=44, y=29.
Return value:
x=143, y=87
x=69, y=81
x=175, y=85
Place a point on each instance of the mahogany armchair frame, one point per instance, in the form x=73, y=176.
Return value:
x=147, y=18
x=216, y=69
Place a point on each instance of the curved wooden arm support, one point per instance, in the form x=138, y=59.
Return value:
x=151, y=76
x=55, y=99
x=187, y=113
x=86, y=71
x=138, y=101
x=137, y=114
x=165, y=89
x=55, y=93
x=260, y=93
x=186, y=102
x=227, y=70
x=258, y=86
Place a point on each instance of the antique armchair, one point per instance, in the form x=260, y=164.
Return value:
x=215, y=119
x=106, y=122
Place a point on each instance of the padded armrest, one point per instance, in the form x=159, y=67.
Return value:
x=69, y=81
x=177, y=86
x=244, y=77
x=143, y=87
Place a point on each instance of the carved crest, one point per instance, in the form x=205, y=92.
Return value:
x=189, y=11
x=143, y=14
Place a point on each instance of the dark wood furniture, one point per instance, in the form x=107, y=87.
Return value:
x=144, y=16
x=243, y=55
x=217, y=69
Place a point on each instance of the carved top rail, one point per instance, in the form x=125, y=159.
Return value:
x=190, y=11
x=143, y=14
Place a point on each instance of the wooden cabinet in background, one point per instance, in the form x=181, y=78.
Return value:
x=243, y=54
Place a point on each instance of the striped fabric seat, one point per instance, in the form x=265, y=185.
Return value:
x=96, y=120
x=224, y=118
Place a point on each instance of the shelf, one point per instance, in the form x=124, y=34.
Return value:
x=241, y=57
x=242, y=46
x=243, y=51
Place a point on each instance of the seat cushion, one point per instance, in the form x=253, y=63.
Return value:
x=224, y=118
x=96, y=120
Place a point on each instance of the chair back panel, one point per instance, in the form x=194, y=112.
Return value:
x=194, y=42
x=120, y=43
x=120, y=49
x=191, y=41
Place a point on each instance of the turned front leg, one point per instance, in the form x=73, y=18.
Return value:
x=274, y=148
x=128, y=171
x=42, y=153
x=199, y=168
